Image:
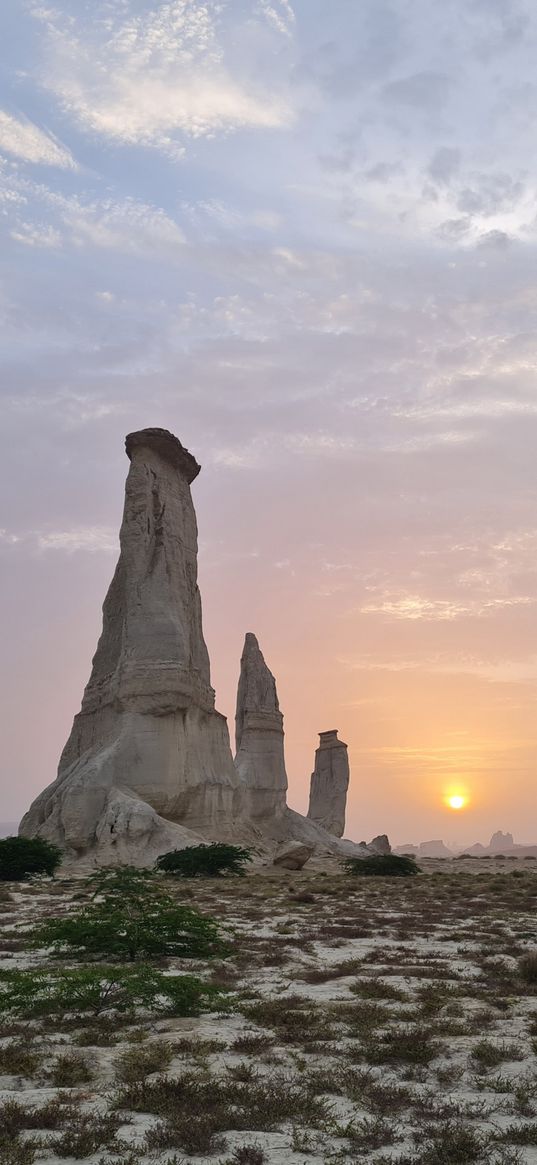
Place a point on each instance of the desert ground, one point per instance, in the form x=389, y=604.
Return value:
x=366, y=1019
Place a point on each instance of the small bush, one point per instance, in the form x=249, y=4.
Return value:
x=138, y=1062
x=101, y=989
x=527, y=968
x=205, y=861
x=411, y=1045
x=17, y=1059
x=16, y=1152
x=22, y=857
x=381, y=865
x=132, y=918
x=14, y=1117
x=69, y=1070
x=486, y=1055
x=247, y=1155
x=85, y=1134
x=456, y=1144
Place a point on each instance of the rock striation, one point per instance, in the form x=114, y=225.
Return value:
x=147, y=750
x=259, y=760
x=329, y=784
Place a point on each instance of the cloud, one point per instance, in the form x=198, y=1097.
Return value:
x=36, y=235
x=422, y=91
x=128, y=225
x=414, y=606
x=156, y=76
x=90, y=538
x=444, y=163
x=279, y=14
x=94, y=539
x=22, y=139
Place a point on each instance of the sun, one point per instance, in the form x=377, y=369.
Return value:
x=457, y=801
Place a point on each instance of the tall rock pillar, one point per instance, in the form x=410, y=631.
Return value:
x=329, y=784
x=259, y=759
x=147, y=743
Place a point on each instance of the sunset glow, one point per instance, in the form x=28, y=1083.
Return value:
x=301, y=237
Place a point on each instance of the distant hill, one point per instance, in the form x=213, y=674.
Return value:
x=8, y=828
x=500, y=843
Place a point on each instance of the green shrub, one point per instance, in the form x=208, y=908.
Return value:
x=131, y=917
x=205, y=861
x=390, y=865
x=99, y=989
x=21, y=857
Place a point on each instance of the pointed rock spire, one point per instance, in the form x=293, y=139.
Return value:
x=147, y=738
x=329, y=784
x=259, y=759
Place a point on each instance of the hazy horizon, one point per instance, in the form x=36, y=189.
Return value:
x=302, y=237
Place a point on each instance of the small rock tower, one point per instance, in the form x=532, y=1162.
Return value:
x=329, y=784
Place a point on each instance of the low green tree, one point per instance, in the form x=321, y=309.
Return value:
x=101, y=989
x=381, y=865
x=205, y=861
x=131, y=917
x=24, y=857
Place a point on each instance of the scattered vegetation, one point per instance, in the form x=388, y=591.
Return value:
x=131, y=917
x=196, y=1109
x=205, y=861
x=380, y=1035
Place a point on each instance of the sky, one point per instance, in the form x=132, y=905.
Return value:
x=302, y=236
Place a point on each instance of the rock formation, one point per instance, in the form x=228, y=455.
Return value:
x=147, y=751
x=148, y=765
x=259, y=759
x=381, y=844
x=434, y=849
x=260, y=765
x=293, y=855
x=329, y=784
x=501, y=841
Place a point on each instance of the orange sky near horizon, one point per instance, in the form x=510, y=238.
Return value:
x=421, y=714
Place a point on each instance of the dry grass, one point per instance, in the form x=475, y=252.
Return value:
x=372, y=1023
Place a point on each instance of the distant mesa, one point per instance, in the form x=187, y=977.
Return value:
x=148, y=765
x=500, y=843
x=434, y=849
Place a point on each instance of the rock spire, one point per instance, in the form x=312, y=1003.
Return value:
x=329, y=784
x=259, y=759
x=147, y=753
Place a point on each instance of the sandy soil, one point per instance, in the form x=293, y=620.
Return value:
x=371, y=1020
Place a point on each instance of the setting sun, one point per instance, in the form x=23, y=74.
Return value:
x=456, y=802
